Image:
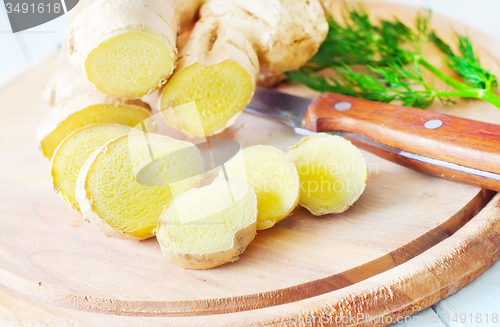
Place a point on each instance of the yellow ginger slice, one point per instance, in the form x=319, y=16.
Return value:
x=125, y=48
x=210, y=226
x=131, y=60
x=274, y=179
x=332, y=172
x=213, y=82
x=130, y=65
x=71, y=154
x=84, y=110
x=123, y=191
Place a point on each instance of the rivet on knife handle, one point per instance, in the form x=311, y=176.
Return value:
x=455, y=148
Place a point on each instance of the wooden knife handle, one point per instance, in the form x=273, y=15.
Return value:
x=454, y=148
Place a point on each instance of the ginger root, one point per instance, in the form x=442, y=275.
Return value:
x=65, y=82
x=235, y=44
x=284, y=33
x=127, y=48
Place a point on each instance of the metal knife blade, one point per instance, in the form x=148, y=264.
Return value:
x=289, y=109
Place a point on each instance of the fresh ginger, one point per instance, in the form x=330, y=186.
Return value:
x=87, y=109
x=71, y=154
x=274, y=178
x=216, y=76
x=112, y=197
x=77, y=104
x=210, y=226
x=66, y=82
x=284, y=33
x=235, y=44
x=127, y=48
x=332, y=172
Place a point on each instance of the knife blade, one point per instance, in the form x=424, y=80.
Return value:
x=445, y=146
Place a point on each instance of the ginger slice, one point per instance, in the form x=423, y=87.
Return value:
x=274, y=179
x=210, y=226
x=213, y=83
x=124, y=186
x=130, y=65
x=125, y=48
x=71, y=154
x=85, y=110
x=332, y=172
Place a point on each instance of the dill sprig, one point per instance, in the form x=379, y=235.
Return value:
x=467, y=64
x=392, y=54
x=358, y=41
x=396, y=82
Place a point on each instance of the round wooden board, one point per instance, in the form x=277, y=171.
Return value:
x=410, y=241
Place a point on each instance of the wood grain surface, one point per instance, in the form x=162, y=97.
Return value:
x=410, y=241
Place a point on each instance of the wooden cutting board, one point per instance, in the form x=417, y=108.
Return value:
x=410, y=241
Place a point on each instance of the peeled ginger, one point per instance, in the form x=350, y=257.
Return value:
x=125, y=48
x=213, y=82
x=274, y=178
x=332, y=172
x=85, y=110
x=71, y=154
x=210, y=226
x=124, y=186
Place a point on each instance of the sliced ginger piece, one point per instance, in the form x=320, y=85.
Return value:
x=210, y=226
x=125, y=48
x=214, y=81
x=219, y=93
x=332, y=172
x=109, y=192
x=71, y=154
x=130, y=65
x=274, y=179
x=85, y=110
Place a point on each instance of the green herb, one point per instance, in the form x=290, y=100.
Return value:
x=392, y=54
x=467, y=65
x=383, y=84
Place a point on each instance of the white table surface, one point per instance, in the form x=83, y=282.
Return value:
x=479, y=299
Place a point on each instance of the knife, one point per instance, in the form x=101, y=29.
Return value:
x=445, y=146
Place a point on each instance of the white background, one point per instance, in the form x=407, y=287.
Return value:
x=481, y=298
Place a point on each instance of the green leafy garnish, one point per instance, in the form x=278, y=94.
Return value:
x=467, y=65
x=392, y=55
x=383, y=84
x=360, y=42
